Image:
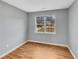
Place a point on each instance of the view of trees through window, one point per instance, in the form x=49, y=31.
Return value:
x=45, y=24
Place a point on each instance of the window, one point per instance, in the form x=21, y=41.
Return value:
x=45, y=24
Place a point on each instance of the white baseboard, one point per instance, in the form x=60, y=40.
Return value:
x=13, y=49
x=62, y=45
x=72, y=53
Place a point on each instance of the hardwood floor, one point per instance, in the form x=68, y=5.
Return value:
x=33, y=50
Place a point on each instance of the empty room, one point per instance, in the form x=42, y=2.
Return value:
x=38, y=29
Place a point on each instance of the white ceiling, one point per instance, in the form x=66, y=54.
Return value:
x=39, y=5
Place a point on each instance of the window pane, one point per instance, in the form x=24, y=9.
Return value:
x=40, y=28
x=40, y=20
x=50, y=24
x=40, y=24
x=45, y=24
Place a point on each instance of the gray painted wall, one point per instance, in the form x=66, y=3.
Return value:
x=61, y=27
x=14, y=31
x=13, y=27
x=73, y=27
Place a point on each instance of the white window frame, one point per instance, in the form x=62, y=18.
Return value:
x=45, y=25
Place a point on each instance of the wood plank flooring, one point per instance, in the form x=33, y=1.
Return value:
x=32, y=50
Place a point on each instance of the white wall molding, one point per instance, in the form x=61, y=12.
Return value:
x=13, y=49
x=62, y=45
x=72, y=53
